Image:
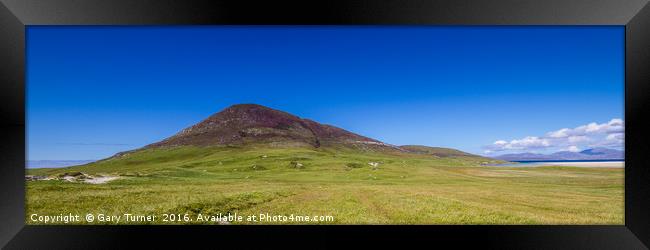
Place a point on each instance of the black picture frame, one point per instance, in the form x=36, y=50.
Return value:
x=15, y=15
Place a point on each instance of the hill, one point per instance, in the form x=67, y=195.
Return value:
x=251, y=123
x=250, y=130
x=252, y=160
x=437, y=151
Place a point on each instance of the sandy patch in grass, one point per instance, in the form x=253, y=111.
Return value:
x=101, y=179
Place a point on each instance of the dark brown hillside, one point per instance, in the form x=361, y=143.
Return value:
x=250, y=123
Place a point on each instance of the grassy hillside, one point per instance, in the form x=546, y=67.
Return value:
x=398, y=188
x=442, y=152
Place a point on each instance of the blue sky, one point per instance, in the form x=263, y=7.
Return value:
x=95, y=91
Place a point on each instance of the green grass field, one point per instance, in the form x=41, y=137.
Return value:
x=403, y=189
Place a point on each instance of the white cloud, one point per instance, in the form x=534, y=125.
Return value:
x=609, y=134
x=577, y=139
x=613, y=126
x=500, y=142
x=560, y=133
x=529, y=142
x=615, y=137
x=611, y=140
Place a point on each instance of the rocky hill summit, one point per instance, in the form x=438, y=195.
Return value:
x=251, y=123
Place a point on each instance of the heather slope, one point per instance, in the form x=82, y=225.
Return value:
x=251, y=123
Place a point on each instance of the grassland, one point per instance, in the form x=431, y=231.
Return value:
x=402, y=189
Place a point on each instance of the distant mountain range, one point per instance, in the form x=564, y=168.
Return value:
x=589, y=154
